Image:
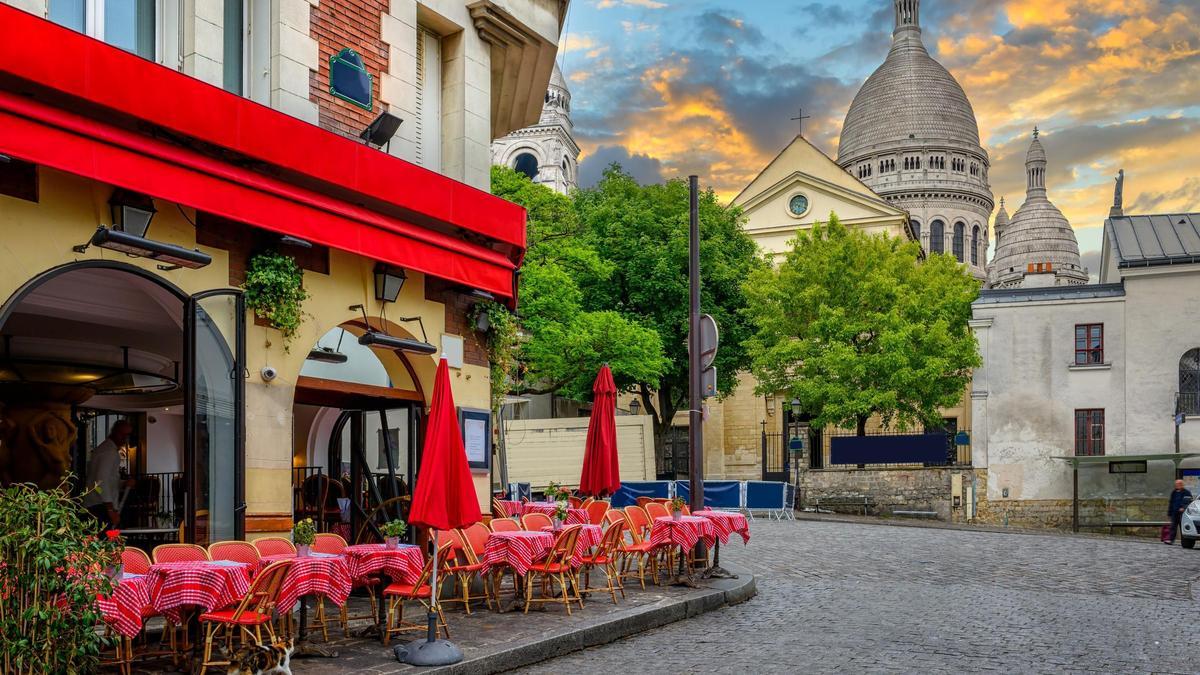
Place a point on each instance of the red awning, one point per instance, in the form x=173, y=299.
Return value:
x=321, y=187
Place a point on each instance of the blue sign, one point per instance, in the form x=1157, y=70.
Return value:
x=349, y=79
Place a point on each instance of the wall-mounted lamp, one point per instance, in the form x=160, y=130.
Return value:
x=381, y=129
x=388, y=282
x=770, y=401
x=131, y=211
x=795, y=408
x=635, y=407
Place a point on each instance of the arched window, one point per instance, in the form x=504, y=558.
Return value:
x=975, y=245
x=960, y=231
x=527, y=164
x=937, y=237
x=1189, y=383
x=916, y=226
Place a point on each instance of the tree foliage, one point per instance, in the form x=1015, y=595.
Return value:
x=566, y=341
x=853, y=324
x=641, y=231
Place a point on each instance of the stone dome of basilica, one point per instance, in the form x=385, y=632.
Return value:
x=911, y=97
x=911, y=136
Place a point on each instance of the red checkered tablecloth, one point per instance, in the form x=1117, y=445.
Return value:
x=574, y=516
x=589, y=537
x=123, y=609
x=403, y=564
x=176, y=585
x=517, y=550
x=727, y=523
x=326, y=576
x=685, y=532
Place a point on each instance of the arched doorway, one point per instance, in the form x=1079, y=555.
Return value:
x=92, y=342
x=358, y=417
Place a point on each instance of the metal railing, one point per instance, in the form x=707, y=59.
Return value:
x=154, y=500
x=1187, y=402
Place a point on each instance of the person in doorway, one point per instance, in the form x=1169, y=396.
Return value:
x=1180, y=498
x=104, y=476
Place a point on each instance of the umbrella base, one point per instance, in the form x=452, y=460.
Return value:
x=425, y=653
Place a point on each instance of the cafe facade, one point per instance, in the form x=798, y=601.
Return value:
x=141, y=186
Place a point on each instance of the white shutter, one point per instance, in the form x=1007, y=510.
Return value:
x=429, y=100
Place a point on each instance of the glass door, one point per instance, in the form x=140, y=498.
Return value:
x=214, y=422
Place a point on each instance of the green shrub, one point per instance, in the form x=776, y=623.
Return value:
x=52, y=567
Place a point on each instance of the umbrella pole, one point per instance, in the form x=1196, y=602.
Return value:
x=430, y=651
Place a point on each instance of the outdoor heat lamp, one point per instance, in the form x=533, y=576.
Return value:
x=380, y=131
x=388, y=282
x=134, y=245
x=385, y=341
x=131, y=211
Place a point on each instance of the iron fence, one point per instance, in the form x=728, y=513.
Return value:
x=1187, y=402
x=675, y=459
x=155, y=500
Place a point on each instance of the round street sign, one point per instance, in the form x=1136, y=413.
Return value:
x=708, y=340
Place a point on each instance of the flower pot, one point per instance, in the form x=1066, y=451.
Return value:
x=676, y=514
x=392, y=543
x=558, y=523
x=303, y=550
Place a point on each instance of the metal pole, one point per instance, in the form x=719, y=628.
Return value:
x=695, y=397
x=1075, y=497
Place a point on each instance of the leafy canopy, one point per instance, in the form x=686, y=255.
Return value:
x=641, y=231
x=853, y=324
x=567, y=341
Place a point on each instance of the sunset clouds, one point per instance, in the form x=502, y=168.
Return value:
x=708, y=87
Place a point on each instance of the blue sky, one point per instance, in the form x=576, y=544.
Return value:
x=671, y=87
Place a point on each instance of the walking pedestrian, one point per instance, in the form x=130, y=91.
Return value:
x=1180, y=498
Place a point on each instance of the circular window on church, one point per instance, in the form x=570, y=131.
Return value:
x=527, y=164
x=798, y=205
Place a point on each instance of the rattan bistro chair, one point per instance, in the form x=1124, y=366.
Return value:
x=556, y=568
x=605, y=558
x=397, y=593
x=248, y=616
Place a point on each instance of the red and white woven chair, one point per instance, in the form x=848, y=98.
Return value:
x=248, y=616
x=397, y=593
x=236, y=551
x=179, y=553
x=556, y=568
x=638, y=547
x=535, y=522
x=274, y=546
x=468, y=566
x=605, y=557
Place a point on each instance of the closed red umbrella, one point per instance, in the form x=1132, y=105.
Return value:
x=601, y=471
x=444, y=499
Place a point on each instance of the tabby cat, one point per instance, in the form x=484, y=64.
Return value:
x=274, y=659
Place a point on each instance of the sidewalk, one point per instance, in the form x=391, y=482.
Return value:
x=495, y=643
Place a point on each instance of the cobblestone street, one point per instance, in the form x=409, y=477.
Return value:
x=843, y=597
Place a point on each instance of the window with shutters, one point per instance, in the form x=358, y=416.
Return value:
x=428, y=133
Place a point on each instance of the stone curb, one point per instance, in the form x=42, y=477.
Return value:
x=943, y=525
x=718, y=593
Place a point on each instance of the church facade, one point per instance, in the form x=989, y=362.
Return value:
x=545, y=152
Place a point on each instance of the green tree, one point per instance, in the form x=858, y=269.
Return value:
x=641, y=231
x=565, y=342
x=853, y=324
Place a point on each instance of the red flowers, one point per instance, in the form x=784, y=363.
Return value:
x=112, y=535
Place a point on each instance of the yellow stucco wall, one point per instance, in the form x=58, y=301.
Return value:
x=39, y=236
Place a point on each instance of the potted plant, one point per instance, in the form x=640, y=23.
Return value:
x=552, y=490
x=275, y=291
x=392, y=531
x=560, y=514
x=677, y=505
x=304, y=533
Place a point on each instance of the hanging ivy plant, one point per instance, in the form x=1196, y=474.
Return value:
x=500, y=327
x=275, y=291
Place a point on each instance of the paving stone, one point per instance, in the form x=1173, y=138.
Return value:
x=846, y=597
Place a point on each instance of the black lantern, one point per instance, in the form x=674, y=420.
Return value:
x=634, y=407
x=131, y=211
x=388, y=282
x=795, y=408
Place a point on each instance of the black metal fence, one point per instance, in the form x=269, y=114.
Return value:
x=675, y=459
x=1187, y=402
x=816, y=452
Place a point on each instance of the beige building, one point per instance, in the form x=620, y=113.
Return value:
x=149, y=159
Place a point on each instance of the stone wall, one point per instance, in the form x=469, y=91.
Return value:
x=1056, y=514
x=916, y=489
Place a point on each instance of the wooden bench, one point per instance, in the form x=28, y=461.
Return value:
x=858, y=502
x=916, y=514
x=1135, y=523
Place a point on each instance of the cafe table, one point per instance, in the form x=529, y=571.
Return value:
x=209, y=585
x=574, y=516
x=515, y=550
x=404, y=563
x=589, y=538
x=123, y=608
x=317, y=574
x=684, y=532
x=726, y=523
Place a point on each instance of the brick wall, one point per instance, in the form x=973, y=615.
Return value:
x=458, y=315
x=336, y=25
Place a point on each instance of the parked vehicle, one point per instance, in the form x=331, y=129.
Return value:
x=1189, y=525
